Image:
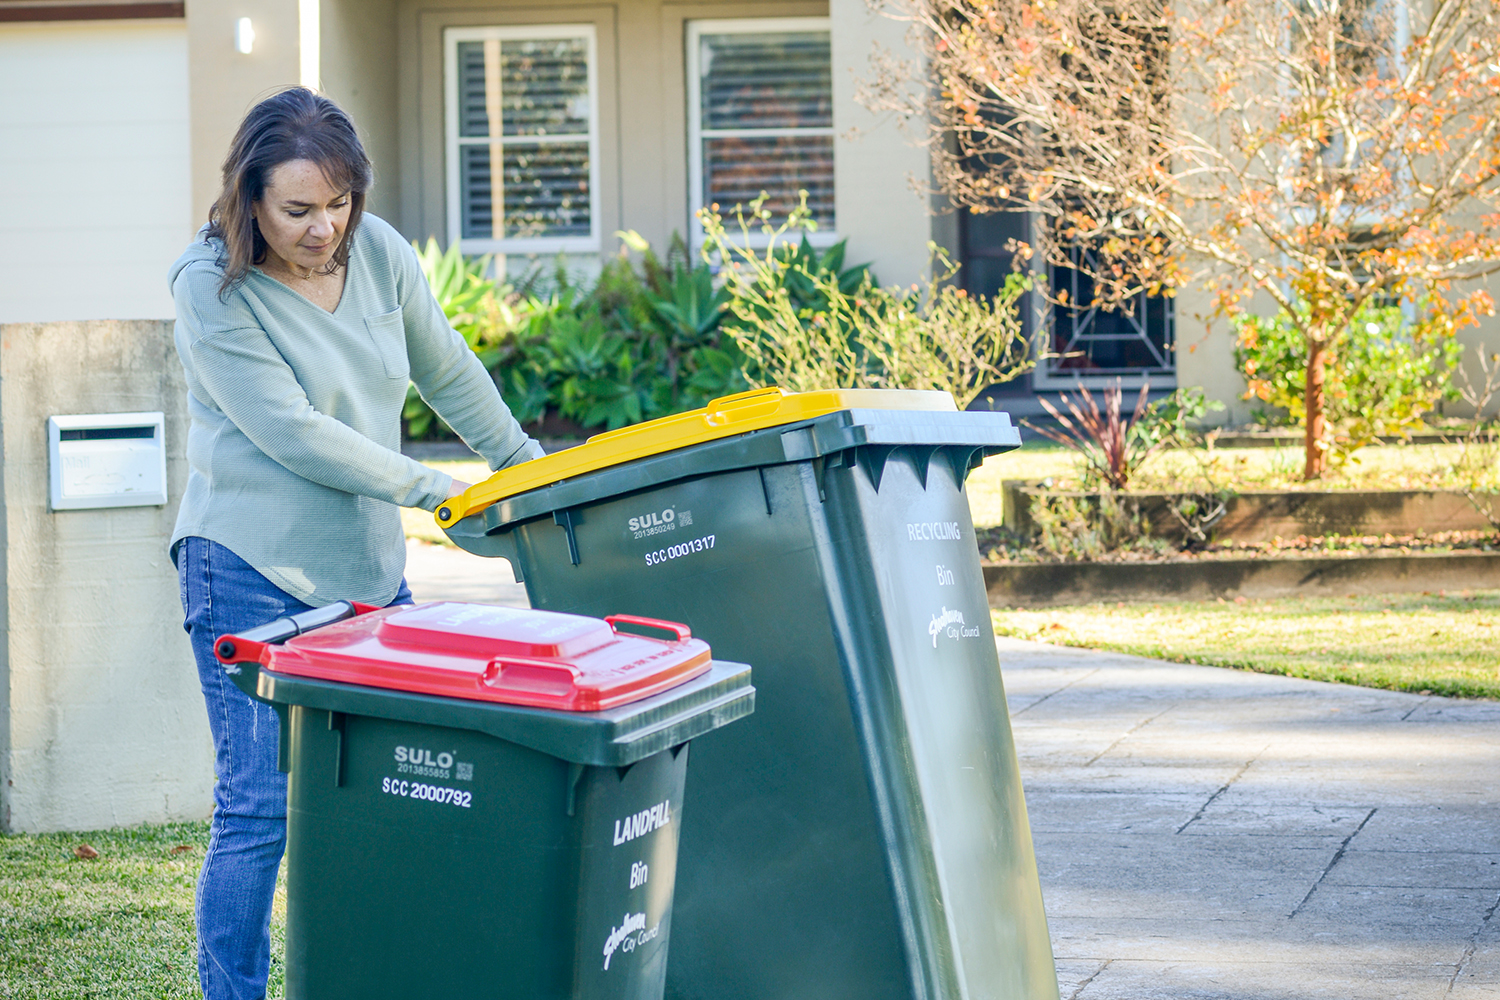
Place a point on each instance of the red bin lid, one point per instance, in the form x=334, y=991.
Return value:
x=514, y=656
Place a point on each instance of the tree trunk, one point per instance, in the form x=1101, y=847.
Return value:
x=1317, y=422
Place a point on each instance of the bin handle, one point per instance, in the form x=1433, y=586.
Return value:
x=743, y=405
x=681, y=631
x=549, y=673
x=248, y=646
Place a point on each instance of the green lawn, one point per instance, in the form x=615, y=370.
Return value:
x=1429, y=643
x=117, y=927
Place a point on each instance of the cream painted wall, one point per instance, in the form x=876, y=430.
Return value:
x=876, y=158
x=642, y=102
x=226, y=84
x=1205, y=354
x=94, y=137
x=101, y=717
x=1483, y=339
x=357, y=69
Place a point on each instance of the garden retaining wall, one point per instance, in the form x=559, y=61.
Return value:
x=101, y=718
x=1040, y=585
x=1260, y=516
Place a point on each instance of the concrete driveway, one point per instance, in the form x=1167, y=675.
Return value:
x=1208, y=834
x=443, y=573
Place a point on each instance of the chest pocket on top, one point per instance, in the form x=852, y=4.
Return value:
x=388, y=331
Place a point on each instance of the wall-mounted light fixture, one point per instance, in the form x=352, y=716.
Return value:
x=244, y=36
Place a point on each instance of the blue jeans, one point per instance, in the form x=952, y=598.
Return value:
x=221, y=593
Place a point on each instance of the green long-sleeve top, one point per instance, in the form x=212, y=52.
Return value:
x=293, y=449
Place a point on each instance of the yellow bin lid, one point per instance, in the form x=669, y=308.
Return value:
x=724, y=417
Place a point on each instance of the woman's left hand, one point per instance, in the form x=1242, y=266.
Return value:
x=458, y=487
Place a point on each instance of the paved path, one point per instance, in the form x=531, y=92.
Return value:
x=1207, y=834
x=443, y=573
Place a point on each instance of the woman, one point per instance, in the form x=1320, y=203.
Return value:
x=300, y=322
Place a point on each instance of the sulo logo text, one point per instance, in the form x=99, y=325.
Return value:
x=653, y=520
x=423, y=758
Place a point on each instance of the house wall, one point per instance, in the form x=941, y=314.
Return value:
x=93, y=168
x=881, y=168
x=643, y=125
x=641, y=103
x=382, y=61
x=101, y=718
x=1482, y=340
x=346, y=48
x=1479, y=341
x=357, y=69
x=224, y=84
x=1205, y=354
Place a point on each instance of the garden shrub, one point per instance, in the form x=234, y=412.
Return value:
x=1112, y=447
x=470, y=300
x=806, y=323
x=629, y=346
x=668, y=335
x=1388, y=373
x=1081, y=529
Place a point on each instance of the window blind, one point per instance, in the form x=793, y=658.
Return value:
x=780, y=80
x=523, y=143
x=765, y=119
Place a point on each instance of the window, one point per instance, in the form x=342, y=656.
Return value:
x=997, y=149
x=1094, y=346
x=522, y=139
x=760, y=115
x=1086, y=344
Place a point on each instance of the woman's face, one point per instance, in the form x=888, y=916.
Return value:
x=301, y=216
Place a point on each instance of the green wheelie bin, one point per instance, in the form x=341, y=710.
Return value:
x=863, y=836
x=483, y=803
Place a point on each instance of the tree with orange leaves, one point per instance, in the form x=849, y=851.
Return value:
x=1329, y=153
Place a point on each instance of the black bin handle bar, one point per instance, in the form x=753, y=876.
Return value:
x=247, y=645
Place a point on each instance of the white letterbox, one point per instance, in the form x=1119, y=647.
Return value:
x=107, y=460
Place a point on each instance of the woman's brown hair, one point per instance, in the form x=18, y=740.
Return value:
x=296, y=124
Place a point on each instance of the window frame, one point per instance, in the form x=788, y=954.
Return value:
x=1047, y=376
x=696, y=29
x=453, y=143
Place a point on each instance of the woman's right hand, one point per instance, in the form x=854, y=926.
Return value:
x=458, y=487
